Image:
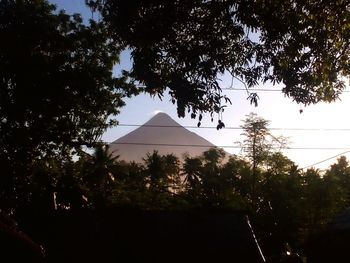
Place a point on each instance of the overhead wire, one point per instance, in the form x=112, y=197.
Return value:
x=325, y=160
x=301, y=129
x=225, y=146
x=264, y=90
x=239, y=147
x=231, y=127
x=243, y=89
x=240, y=128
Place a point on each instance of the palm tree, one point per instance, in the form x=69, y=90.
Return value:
x=192, y=173
x=97, y=173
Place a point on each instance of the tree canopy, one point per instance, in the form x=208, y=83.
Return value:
x=186, y=45
x=57, y=92
x=56, y=85
x=286, y=205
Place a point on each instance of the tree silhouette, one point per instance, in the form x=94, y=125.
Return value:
x=211, y=181
x=281, y=208
x=192, y=173
x=97, y=175
x=186, y=45
x=211, y=178
x=163, y=173
x=237, y=182
x=258, y=145
x=336, y=194
x=57, y=89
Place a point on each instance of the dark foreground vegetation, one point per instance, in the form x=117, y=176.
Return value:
x=90, y=202
x=123, y=235
x=58, y=93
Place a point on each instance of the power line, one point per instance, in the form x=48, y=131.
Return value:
x=243, y=89
x=173, y=145
x=264, y=90
x=239, y=147
x=175, y=126
x=224, y=146
x=325, y=160
x=233, y=128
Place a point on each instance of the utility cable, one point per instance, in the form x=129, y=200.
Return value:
x=263, y=90
x=238, y=147
x=233, y=128
x=325, y=160
x=225, y=146
x=255, y=239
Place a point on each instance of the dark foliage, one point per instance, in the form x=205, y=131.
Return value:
x=185, y=45
x=114, y=235
x=56, y=88
x=287, y=206
x=57, y=92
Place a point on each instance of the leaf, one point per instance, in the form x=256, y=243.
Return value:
x=253, y=98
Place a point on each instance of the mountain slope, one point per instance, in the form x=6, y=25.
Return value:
x=160, y=133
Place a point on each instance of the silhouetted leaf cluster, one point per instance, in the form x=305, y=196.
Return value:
x=185, y=46
x=57, y=90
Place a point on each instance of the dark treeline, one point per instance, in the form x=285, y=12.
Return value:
x=287, y=205
x=58, y=94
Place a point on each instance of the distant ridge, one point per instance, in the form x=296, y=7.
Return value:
x=160, y=133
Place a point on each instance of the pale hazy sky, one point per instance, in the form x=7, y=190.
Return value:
x=273, y=106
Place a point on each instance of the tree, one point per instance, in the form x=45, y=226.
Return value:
x=56, y=90
x=238, y=172
x=97, y=176
x=212, y=183
x=211, y=180
x=315, y=208
x=258, y=145
x=163, y=174
x=281, y=211
x=155, y=168
x=337, y=181
x=186, y=45
x=192, y=174
x=131, y=185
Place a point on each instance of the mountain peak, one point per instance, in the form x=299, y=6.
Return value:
x=160, y=133
x=161, y=119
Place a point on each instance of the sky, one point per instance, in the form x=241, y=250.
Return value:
x=320, y=132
